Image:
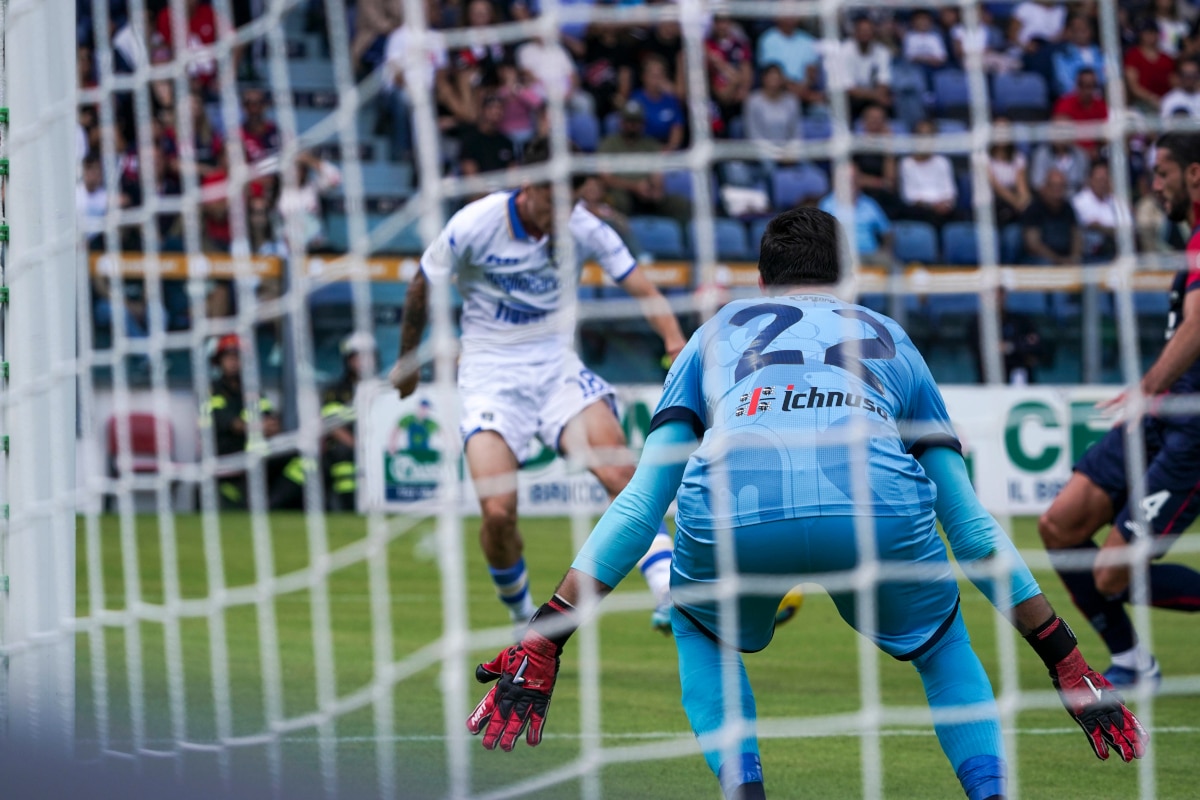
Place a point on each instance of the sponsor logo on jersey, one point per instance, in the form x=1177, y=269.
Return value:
x=518, y=316
x=530, y=282
x=761, y=399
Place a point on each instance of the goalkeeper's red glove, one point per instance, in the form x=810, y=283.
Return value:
x=520, y=700
x=1087, y=695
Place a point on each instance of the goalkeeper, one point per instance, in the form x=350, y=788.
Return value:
x=761, y=419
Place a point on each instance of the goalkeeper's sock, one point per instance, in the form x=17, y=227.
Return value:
x=656, y=564
x=955, y=682
x=1106, y=615
x=512, y=586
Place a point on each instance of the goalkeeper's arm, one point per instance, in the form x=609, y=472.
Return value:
x=981, y=545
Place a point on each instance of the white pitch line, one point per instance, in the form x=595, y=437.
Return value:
x=651, y=736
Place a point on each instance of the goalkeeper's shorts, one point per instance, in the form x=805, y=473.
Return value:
x=911, y=609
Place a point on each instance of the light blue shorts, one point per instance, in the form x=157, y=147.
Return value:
x=911, y=611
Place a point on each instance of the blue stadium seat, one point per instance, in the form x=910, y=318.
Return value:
x=732, y=244
x=940, y=306
x=390, y=179
x=1151, y=304
x=951, y=93
x=910, y=92
x=308, y=118
x=312, y=75
x=966, y=199
x=584, y=131
x=757, y=228
x=1011, y=243
x=792, y=186
x=678, y=182
x=816, y=128
x=660, y=235
x=960, y=244
x=1021, y=96
x=337, y=231
x=1032, y=303
x=406, y=241
x=915, y=242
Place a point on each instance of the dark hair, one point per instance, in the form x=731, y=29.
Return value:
x=1097, y=164
x=537, y=151
x=1184, y=147
x=800, y=246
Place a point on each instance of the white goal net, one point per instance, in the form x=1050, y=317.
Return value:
x=277, y=586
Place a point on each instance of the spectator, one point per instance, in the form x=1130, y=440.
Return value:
x=1006, y=176
x=664, y=42
x=872, y=228
x=1172, y=28
x=1098, y=212
x=1147, y=70
x=876, y=171
x=1049, y=228
x=662, y=112
x=927, y=186
x=1085, y=104
x=473, y=69
x=432, y=79
x=1185, y=97
x=260, y=134
x=521, y=103
x=91, y=202
x=923, y=42
x=300, y=205
x=208, y=148
x=138, y=322
x=1066, y=157
x=547, y=66
x=1078, y=52
x=862, y=65
x=129, y=50
x=216, y=231
x=1041, y=22
x=795, y=51
x=338, y=448
x=607, y=68
x=485, y=148
x=201, y=39
x=730, y=72
x=639, y=193
x=260, y=229
x=373, y=21
x=772, y=113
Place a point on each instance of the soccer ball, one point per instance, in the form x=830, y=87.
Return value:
x=789, y=605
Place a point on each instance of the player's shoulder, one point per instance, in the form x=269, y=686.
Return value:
x=584, y=223
x=483, y=213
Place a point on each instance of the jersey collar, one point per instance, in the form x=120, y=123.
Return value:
x=514, y=219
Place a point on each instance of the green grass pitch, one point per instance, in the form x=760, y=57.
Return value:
x=811, y=671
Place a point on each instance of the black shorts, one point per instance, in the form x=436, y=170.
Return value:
x=1172, y=498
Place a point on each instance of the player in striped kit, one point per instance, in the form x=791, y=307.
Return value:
x=800, y=434
x=519, y=377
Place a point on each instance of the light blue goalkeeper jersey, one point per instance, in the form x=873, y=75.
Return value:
x=791, y=396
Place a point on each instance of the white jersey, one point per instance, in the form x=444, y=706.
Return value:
x=512, y=290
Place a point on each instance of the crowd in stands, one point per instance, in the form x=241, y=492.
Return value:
x=900, y=73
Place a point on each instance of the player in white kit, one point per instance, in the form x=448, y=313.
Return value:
x=518, y=374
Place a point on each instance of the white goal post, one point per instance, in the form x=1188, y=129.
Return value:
x=41, y=277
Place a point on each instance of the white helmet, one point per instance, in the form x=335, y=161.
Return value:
x=358, y=342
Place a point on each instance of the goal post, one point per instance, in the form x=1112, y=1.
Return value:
x=41, y=274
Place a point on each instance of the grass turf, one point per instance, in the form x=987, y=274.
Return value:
x=808, y=676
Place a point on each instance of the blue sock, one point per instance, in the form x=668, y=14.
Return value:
x=512, y=586
x=701, y=665
x=954, y=678
x=1106, y=615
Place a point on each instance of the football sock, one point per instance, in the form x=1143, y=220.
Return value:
x=1136, y=658
x=512, y=586
x=702, y=665
x=1174, y=586
x=1105, y=614
x=656, y=564
x=955, y=682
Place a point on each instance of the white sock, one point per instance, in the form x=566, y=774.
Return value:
x=656, y=566
x=1137, y=658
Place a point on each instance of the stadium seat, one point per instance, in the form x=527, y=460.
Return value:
x=678, y=182
x=406, y=241
x=309, y=118
x=910, y=92
x=795, y=185
x=1032, y=303
x=960, y=244
x=387, y=179
x=1151, y=304
x=660, y=235
x=951, y=93
x=732, y=244
x=1011, y=243
x=311, y=75
x=816, y=128
x=915, y=242
x=757, y=228
x=966, y=198
x=144, y=443
x=584, y=131
x=1021, y=96
x=337, y=231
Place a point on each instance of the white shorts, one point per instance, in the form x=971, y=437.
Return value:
x=521, y=401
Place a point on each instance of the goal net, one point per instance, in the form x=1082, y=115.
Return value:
x=277, y=586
